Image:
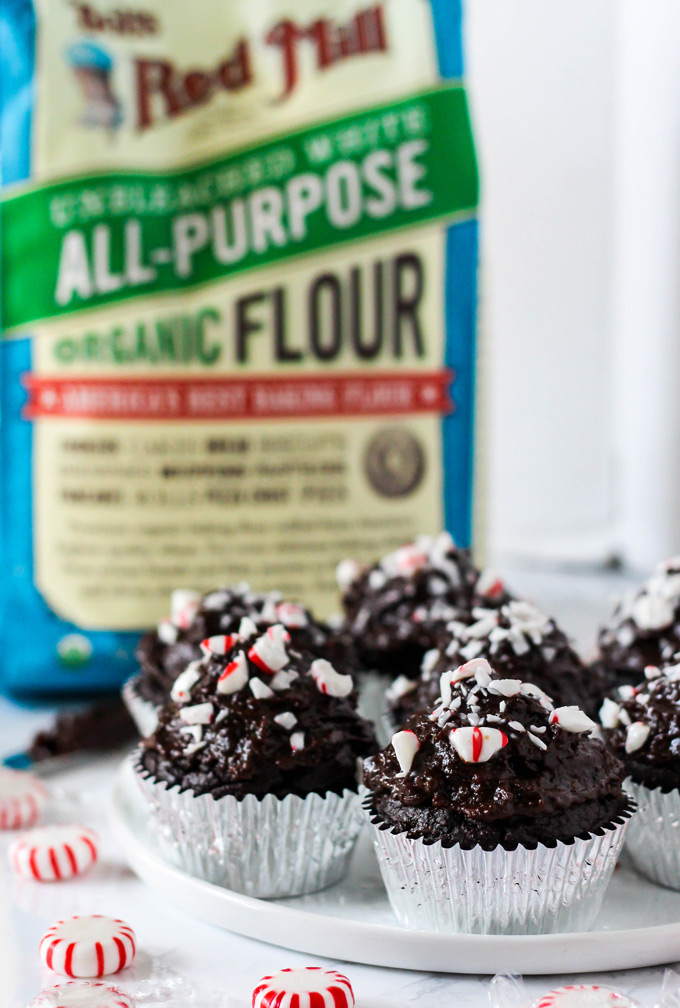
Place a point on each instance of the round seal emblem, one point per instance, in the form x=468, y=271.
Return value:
x=394, y=462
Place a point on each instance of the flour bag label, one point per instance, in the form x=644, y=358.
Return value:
x=238, y=307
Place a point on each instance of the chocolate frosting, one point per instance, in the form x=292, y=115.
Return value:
x=521, y=643
x=645, y=628
x=398, y=609
x=547, y=783
x=642, y=726
x=243, y=749
x=220, y=612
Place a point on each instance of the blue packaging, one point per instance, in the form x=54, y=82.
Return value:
x=239, y=254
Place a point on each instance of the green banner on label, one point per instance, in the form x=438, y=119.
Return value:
x=88, y=242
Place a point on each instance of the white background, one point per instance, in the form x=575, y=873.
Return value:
x=577, y=115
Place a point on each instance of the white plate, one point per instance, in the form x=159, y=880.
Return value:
x=639, y=924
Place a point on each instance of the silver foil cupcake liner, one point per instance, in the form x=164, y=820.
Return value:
x=520, y=892
x=653, y=838
x=265, y=847
x=143, y=713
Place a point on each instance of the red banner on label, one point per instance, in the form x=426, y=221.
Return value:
x=251, y=398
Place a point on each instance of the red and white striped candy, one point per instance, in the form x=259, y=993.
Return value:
x=218, y=645
x=235, y=675
x=306, y=987
x=291, y=615
x=54, y=853
x=91, y=946
x=584, y=996
x=22, y=799
x=81, y=994
x=477, y=745
x=269, y=651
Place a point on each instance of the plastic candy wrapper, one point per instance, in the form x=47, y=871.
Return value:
x=509, y=991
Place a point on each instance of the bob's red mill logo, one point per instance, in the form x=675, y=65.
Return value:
x=164, y=91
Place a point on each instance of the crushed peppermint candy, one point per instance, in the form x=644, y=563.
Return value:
x=184, y=605
x=653, y=605
x=297, y=741
x=430, y=659
x=571, y=719
x=167, y=632
x=185, y=682
x=405, y=744
x=269, y=651
x=401, y=686
x=218, y=645
x=346, y=573
x=217, y=600
x=637, y=734
x=328, y=680
x=489, y=585
x=283, y=679
x=287, y=720
x=199, y=714
x=260, y=690
x=247, y=628
x=609, y=713
x=235, y=675
x=505, y=687
x=292, y=615
x=477, y=745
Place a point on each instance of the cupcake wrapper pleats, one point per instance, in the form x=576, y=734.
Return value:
x=653, y=837
x=268, y=847
x=548, y=889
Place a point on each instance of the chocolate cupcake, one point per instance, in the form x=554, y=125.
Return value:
x=496, y=813
x=166, y=651
x=644, y=629
x=251, y=771
x=398, y=609
x=642, y=726
x=521, y=643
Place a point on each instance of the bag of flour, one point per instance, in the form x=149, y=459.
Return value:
x=238, y=306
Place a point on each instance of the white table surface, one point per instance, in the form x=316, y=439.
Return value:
x=220, y=968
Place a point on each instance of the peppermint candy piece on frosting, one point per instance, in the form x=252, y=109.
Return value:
x=305, y=987
x=477, y=668
x=571, y=719
x=477, y=745
x=269, y=651
x=54, y=853
x=91, y=946
x=489, y=585
x=184, y=605
x=637, y=734
x=584, y=996
x=405, y=744
x=199, y=714
x=259, y=689
x=346, y=573
x=247, y=627
x=328, y=680
x=235, y=675
x=81, y=994
x=22, y=799
x=287, y=720
x=219, y=644
x=167, y=632
x=291, y=615
x=505, y=687
x=185, y=682
x=609, y=713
